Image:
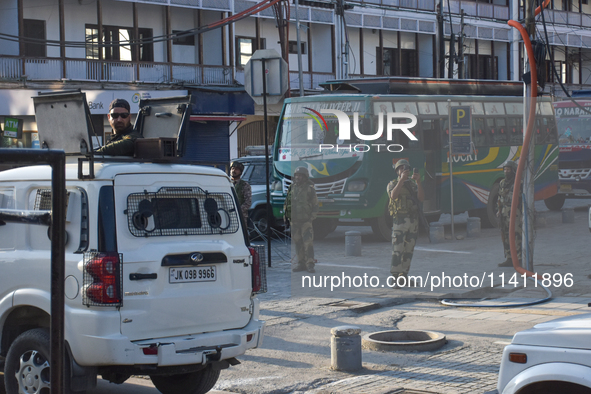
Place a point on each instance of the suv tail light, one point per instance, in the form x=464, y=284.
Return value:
x=259, y=270
x=103, y=285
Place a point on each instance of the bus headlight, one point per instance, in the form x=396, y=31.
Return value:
x=356, y=186
x=276, y=186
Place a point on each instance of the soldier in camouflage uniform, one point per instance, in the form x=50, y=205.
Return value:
x=504, y=211
x=301, y=205
x=124, y=136
x=405, y=194
x=243, y=189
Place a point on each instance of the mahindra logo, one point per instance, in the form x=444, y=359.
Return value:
x=196, y=257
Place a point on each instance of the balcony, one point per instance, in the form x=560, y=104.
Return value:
x=569, y=18
x=56, y=69
x=311, y=79
x=475, y=9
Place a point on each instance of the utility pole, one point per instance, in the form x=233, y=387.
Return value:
x=528, y=175
x=439, y=42
x=299, y=43
x=342, y=41
x=461, y=47
x=452, y=56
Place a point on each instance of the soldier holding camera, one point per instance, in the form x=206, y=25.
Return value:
x=405, y=194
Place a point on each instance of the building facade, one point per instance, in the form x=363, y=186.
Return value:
x=203, y=45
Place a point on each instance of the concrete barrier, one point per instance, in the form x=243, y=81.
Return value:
x=353, y=243
x=473, y=227
x=436, y=232
x=568, y=215
x=345, y=348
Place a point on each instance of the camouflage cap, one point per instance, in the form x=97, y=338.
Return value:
x=401, y=162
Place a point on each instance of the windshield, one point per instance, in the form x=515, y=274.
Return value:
x=304, y=124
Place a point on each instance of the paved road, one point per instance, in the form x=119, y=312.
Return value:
x=295, y=356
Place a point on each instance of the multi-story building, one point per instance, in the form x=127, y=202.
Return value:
x=189, y=46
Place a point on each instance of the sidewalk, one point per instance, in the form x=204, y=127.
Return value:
x=295, y=356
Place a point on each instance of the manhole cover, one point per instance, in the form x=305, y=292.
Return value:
x=405, y=340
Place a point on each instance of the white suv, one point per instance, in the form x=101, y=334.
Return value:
x=551, y=358
x=159, y=279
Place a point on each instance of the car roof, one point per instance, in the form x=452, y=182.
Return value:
x=246, y=159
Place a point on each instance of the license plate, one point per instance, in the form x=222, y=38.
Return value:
x=192, y=274
x=566, y=188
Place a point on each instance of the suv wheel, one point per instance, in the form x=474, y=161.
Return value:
x=259, y=220
x=27, y=369
x=199, y=382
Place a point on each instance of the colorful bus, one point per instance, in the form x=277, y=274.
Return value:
x=574, y=138
x=351, y=171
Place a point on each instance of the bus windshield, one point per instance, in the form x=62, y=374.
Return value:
x=308, y=125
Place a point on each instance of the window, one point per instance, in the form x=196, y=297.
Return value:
x=185, y=40
x=392, y=66
x=293, y=47
x=181, y=211
x=34, y=29
x=117, y=35
x=245, y=48
x=482, y=67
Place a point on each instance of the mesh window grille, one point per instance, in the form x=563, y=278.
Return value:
x=43, y=200
x=262, y=252
x=181, y=211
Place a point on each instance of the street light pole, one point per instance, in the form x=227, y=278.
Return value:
x=300, y=72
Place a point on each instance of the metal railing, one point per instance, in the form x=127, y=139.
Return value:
x=311, y=80
x=481, y=10
x=56, y=69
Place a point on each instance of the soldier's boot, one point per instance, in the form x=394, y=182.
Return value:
x=507, y=263
x=310, y=267
x=299, y=267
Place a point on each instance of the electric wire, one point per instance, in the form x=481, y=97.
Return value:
x=151, y=40
x=520, y=167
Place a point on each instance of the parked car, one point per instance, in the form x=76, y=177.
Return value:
x=159, y=277
x=254, y=173
x=551, y=358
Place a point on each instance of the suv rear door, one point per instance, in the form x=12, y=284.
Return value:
x=170, y=248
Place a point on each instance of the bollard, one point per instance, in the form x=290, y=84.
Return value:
x=473, y=227
x=345, y=348
x=541, y=219
x=353, y=243
x=568, y=215
x=436, y=232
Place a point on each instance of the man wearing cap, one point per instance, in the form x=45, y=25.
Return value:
x=243, y=189
x=301, y=206
x=122, y=143
x=504, y=212
x=405, y=194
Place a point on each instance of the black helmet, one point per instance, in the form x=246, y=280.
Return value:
x=238, y=165
x=303, y=171
x=511, y=164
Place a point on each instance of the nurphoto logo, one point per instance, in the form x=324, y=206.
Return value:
x=393, y=122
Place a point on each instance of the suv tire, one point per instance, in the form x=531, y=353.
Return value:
x=199, y=382
x=28, y=357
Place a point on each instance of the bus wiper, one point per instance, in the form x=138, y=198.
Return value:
x=308, y=157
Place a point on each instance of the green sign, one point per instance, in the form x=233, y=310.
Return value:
x=13, y=127
x=461, y=126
